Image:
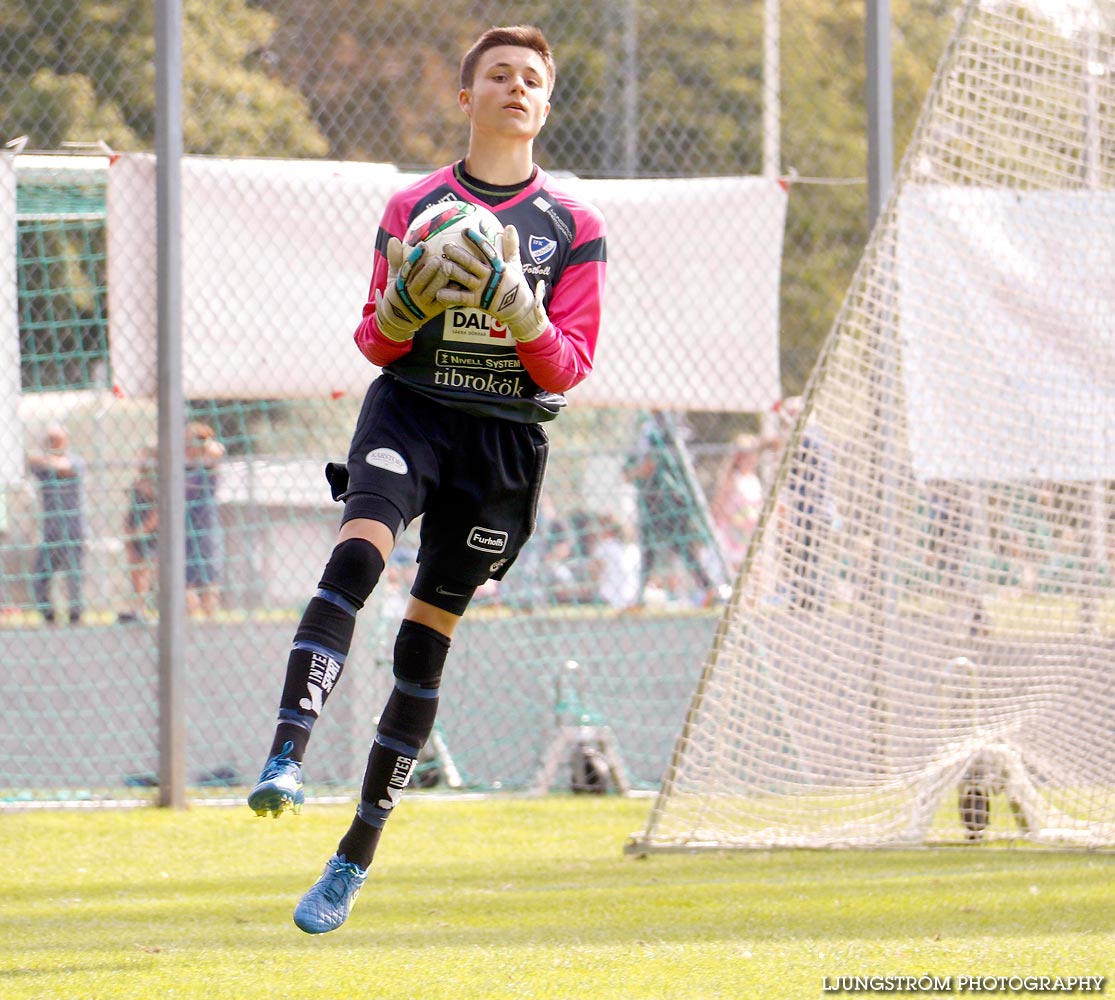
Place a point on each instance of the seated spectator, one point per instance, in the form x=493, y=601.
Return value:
x=737, y=501
x=616, y=564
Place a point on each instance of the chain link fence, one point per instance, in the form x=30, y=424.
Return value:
x=725, y=132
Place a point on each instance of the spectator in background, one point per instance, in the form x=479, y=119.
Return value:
x=205, y=548
x=737, y=500
x=61, y=476
x=566, y=566
x=556, y=571
x=616, y=564
x=576, y=550
x=140, y=535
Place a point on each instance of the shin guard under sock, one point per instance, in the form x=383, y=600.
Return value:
x=322, y=640
x=404, y=727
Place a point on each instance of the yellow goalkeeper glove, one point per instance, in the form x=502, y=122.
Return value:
x=410, y=297
x=496, y=284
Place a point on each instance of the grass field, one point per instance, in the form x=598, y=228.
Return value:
x=509, y=898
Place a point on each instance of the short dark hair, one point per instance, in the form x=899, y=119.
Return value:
x=525, y=36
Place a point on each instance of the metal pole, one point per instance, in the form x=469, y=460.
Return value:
x=172, y=485
x=880, y=167
x=772, y=91
x=631, y=89
x=880, y=108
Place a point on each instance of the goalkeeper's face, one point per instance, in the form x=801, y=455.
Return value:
x=510, y=93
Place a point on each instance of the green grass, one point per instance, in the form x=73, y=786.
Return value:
x=510, y=898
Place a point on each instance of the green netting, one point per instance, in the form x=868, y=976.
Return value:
x=63, y=319
x=625, y=489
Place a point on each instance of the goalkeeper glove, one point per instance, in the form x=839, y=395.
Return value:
x=496, y=284
x=410, y=297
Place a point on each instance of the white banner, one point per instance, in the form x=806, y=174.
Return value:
x=691, y=316
x=277, y=260
x=11, y=427
x=276, y=264
x=1006, y=305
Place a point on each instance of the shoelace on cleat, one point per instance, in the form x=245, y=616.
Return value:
x=277, y=768
x=335, y=889
x=280, y=764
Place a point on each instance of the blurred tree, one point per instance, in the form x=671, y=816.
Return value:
x=380, y=78
x=697, y=81
x=645, y=88
x=824, y=137
x=83, y=70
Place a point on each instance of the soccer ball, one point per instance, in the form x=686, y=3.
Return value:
x=446, y=221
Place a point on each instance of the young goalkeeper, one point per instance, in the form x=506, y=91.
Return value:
x=451, y=429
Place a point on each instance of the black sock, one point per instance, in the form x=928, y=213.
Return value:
x=359, y=844
x=289, y=731
x=322, y=640
x=404, y=726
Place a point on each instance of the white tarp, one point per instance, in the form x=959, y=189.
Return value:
x=691, y=314
x=277, y=258
x=276, y=262
x=1006, y=305
x=11, y=427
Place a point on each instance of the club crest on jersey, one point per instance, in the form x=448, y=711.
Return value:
x=541, y=249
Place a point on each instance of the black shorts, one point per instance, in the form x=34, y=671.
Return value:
x=476, y=479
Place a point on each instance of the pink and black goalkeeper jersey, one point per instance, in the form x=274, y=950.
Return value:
x=464, y=358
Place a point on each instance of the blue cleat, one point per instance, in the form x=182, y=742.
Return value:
x=328, y=902
x=279, y=787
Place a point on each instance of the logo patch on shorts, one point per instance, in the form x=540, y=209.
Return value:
x=388, y=460
x=487, y=540
x=439, y=589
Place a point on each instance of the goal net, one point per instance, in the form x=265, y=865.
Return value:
x=919, y=647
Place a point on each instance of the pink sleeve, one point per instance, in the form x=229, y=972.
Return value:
x=377, y=348
x=562, y=356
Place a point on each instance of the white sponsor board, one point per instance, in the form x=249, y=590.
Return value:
x=691, y=315
x=276, y=263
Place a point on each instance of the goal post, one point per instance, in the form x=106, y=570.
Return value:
x=918, y=648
